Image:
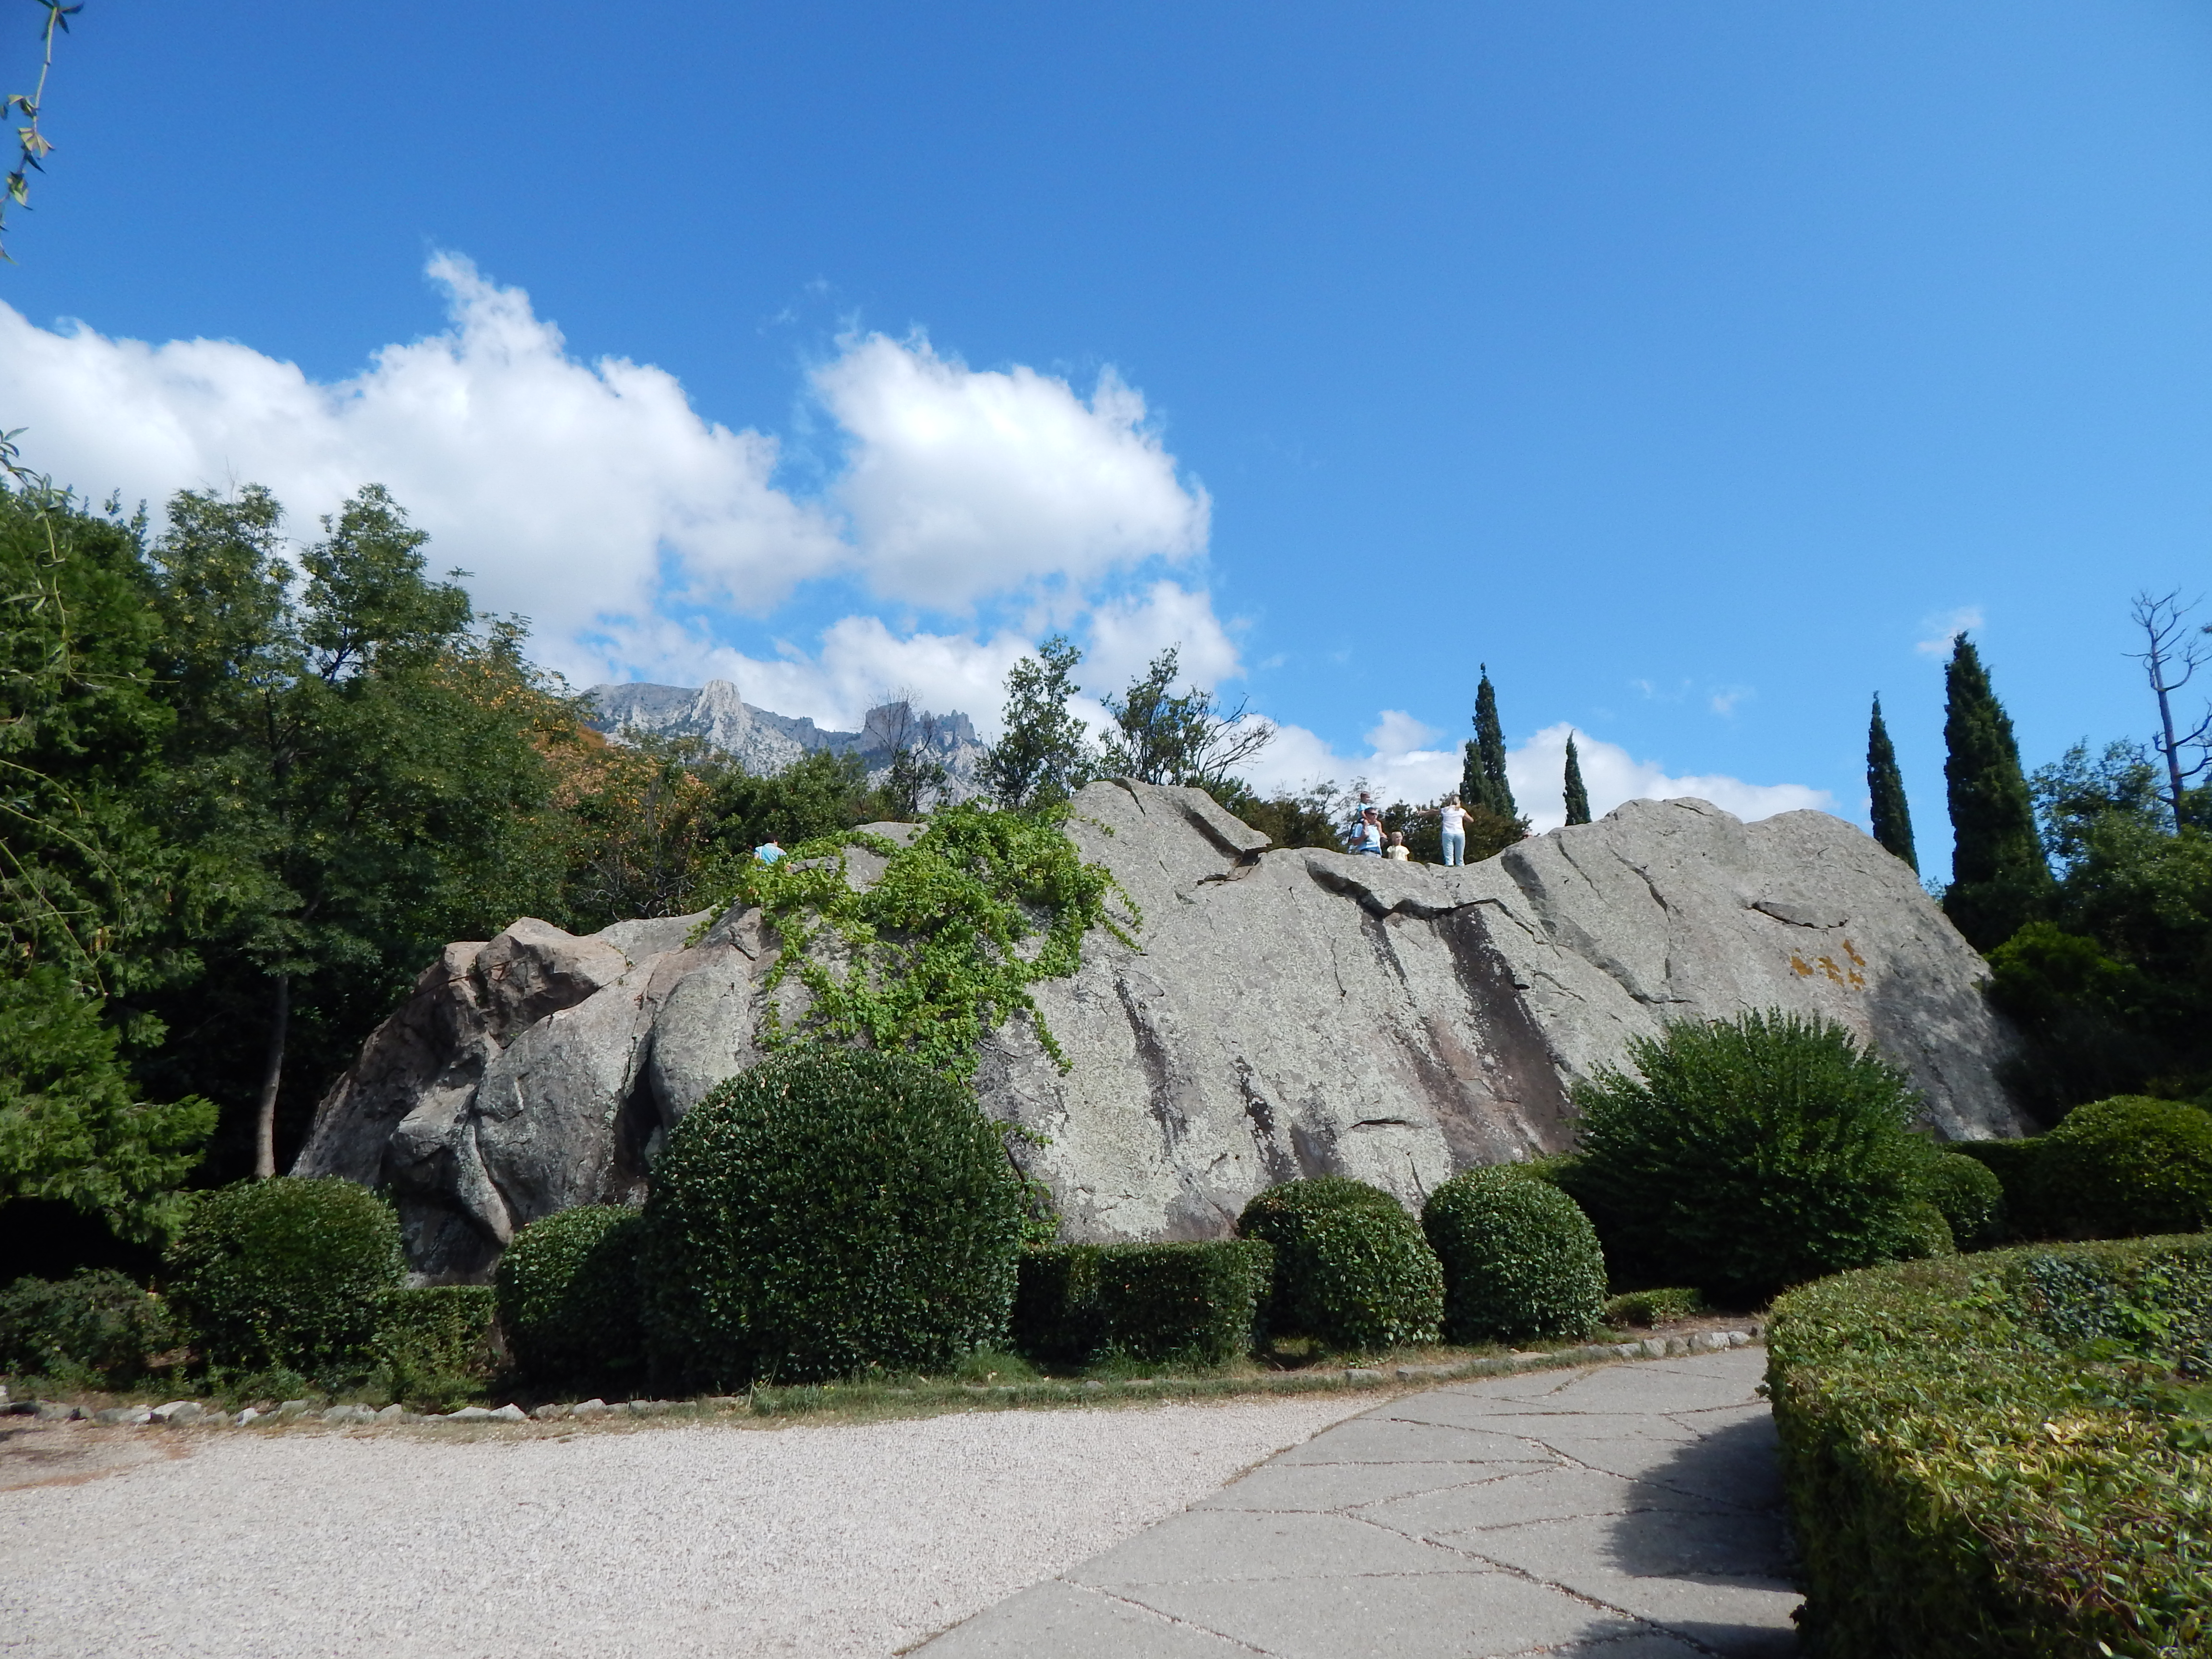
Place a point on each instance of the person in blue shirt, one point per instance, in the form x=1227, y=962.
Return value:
x=1367, y=833
x=768, y=852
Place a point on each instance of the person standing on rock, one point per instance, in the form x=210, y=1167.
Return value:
x=1397, y=849
x=1451, y=821
x=1367, y=833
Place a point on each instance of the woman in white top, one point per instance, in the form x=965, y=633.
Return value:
x=1452, y=818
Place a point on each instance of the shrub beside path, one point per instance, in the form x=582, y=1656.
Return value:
x=1623, y=1512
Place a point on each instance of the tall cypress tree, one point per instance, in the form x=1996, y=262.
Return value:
x=1999, y=877
x=1578, y=797
x=1892, y=819
x=1487, y=762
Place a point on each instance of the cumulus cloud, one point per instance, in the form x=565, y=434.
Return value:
x=1941, y=629
x=594, y=499
x=1537, y=769
x=561, y=486
x=963, y=482
x=1399, y=765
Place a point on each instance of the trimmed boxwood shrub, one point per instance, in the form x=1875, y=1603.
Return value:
x=2004, y=1454
x=2123, y=1167
x=828, y=1211
x=438, y=1343
x=1177, y=1304
x=1969, y=1195
x=568, y=1289
x=1747, y=1155
x=96, y=1325
x=285, y=1273
x=1351, y=1269
x=2112, y=1168
x=1520, y=1259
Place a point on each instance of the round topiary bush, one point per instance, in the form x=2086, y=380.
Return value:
x=1520, y=1258
x=828, y=1210
x=1747, y=1155
x=1969, y=1195
x=285, y=1273
x=1351, y=1269
x=2124, y=1167
x=567, y=1290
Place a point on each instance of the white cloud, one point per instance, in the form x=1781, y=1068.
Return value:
x=1397, y=733
x=1399, y=767
x=1945, y=627
x=962, y=483
x=1537, y=769
x=559, y=485
x=1126, y=634
x=593, y=498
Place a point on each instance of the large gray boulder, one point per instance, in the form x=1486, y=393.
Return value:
x=1285, y=1012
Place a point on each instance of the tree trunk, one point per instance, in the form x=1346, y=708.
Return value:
x=272, y=1075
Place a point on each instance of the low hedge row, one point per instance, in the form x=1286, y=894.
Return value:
x=2004, y=1454
x=2112, y=1168
x=1182, y=1305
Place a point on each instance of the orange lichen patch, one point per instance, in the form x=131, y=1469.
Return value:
x=1803, y=967
x=1852, y=951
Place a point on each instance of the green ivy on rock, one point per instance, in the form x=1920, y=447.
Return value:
x=945, y=942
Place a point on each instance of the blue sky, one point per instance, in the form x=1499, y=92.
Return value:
x=1696, y=366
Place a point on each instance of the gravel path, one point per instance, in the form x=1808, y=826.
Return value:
x=815, y=1540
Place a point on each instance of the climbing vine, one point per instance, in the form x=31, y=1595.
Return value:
x=945, y=942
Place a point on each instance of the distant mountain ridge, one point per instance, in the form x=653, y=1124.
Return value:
x=761, y=741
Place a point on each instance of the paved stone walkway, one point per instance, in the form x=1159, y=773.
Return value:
x=1628, y=1512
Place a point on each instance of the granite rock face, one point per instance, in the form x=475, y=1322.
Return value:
x=1288, y=1012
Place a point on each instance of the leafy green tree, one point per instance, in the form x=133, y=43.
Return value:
x=1160, y=737
x=1893, y=818
x=1309, y=819
x=72, y=1126
x=86, y=872
x=2113, y=991
x=1044, y=754
x=347, y=761
x=1576, y=796
x=1999, y=879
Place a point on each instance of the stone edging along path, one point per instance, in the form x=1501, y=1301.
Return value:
x=1616, y=1512
x=180, y=1414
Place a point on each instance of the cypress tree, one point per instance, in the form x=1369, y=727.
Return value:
x=1578, y=797
x=2000, y=879
x=1486, y=756
x=1892, y=819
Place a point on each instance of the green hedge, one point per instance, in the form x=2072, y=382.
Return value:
x=95, y=1327
x=2112, y=1168
x=1520, y=1259
x=287, y=1273
x=1656, y=1307
x=567, y=1290
x=2005, y=1454
x=828, y=1211
x=438, y=1343
x=1351, y=1269
x=1176, y=1304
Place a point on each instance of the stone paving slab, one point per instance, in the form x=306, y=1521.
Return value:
x=1627, y=1512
